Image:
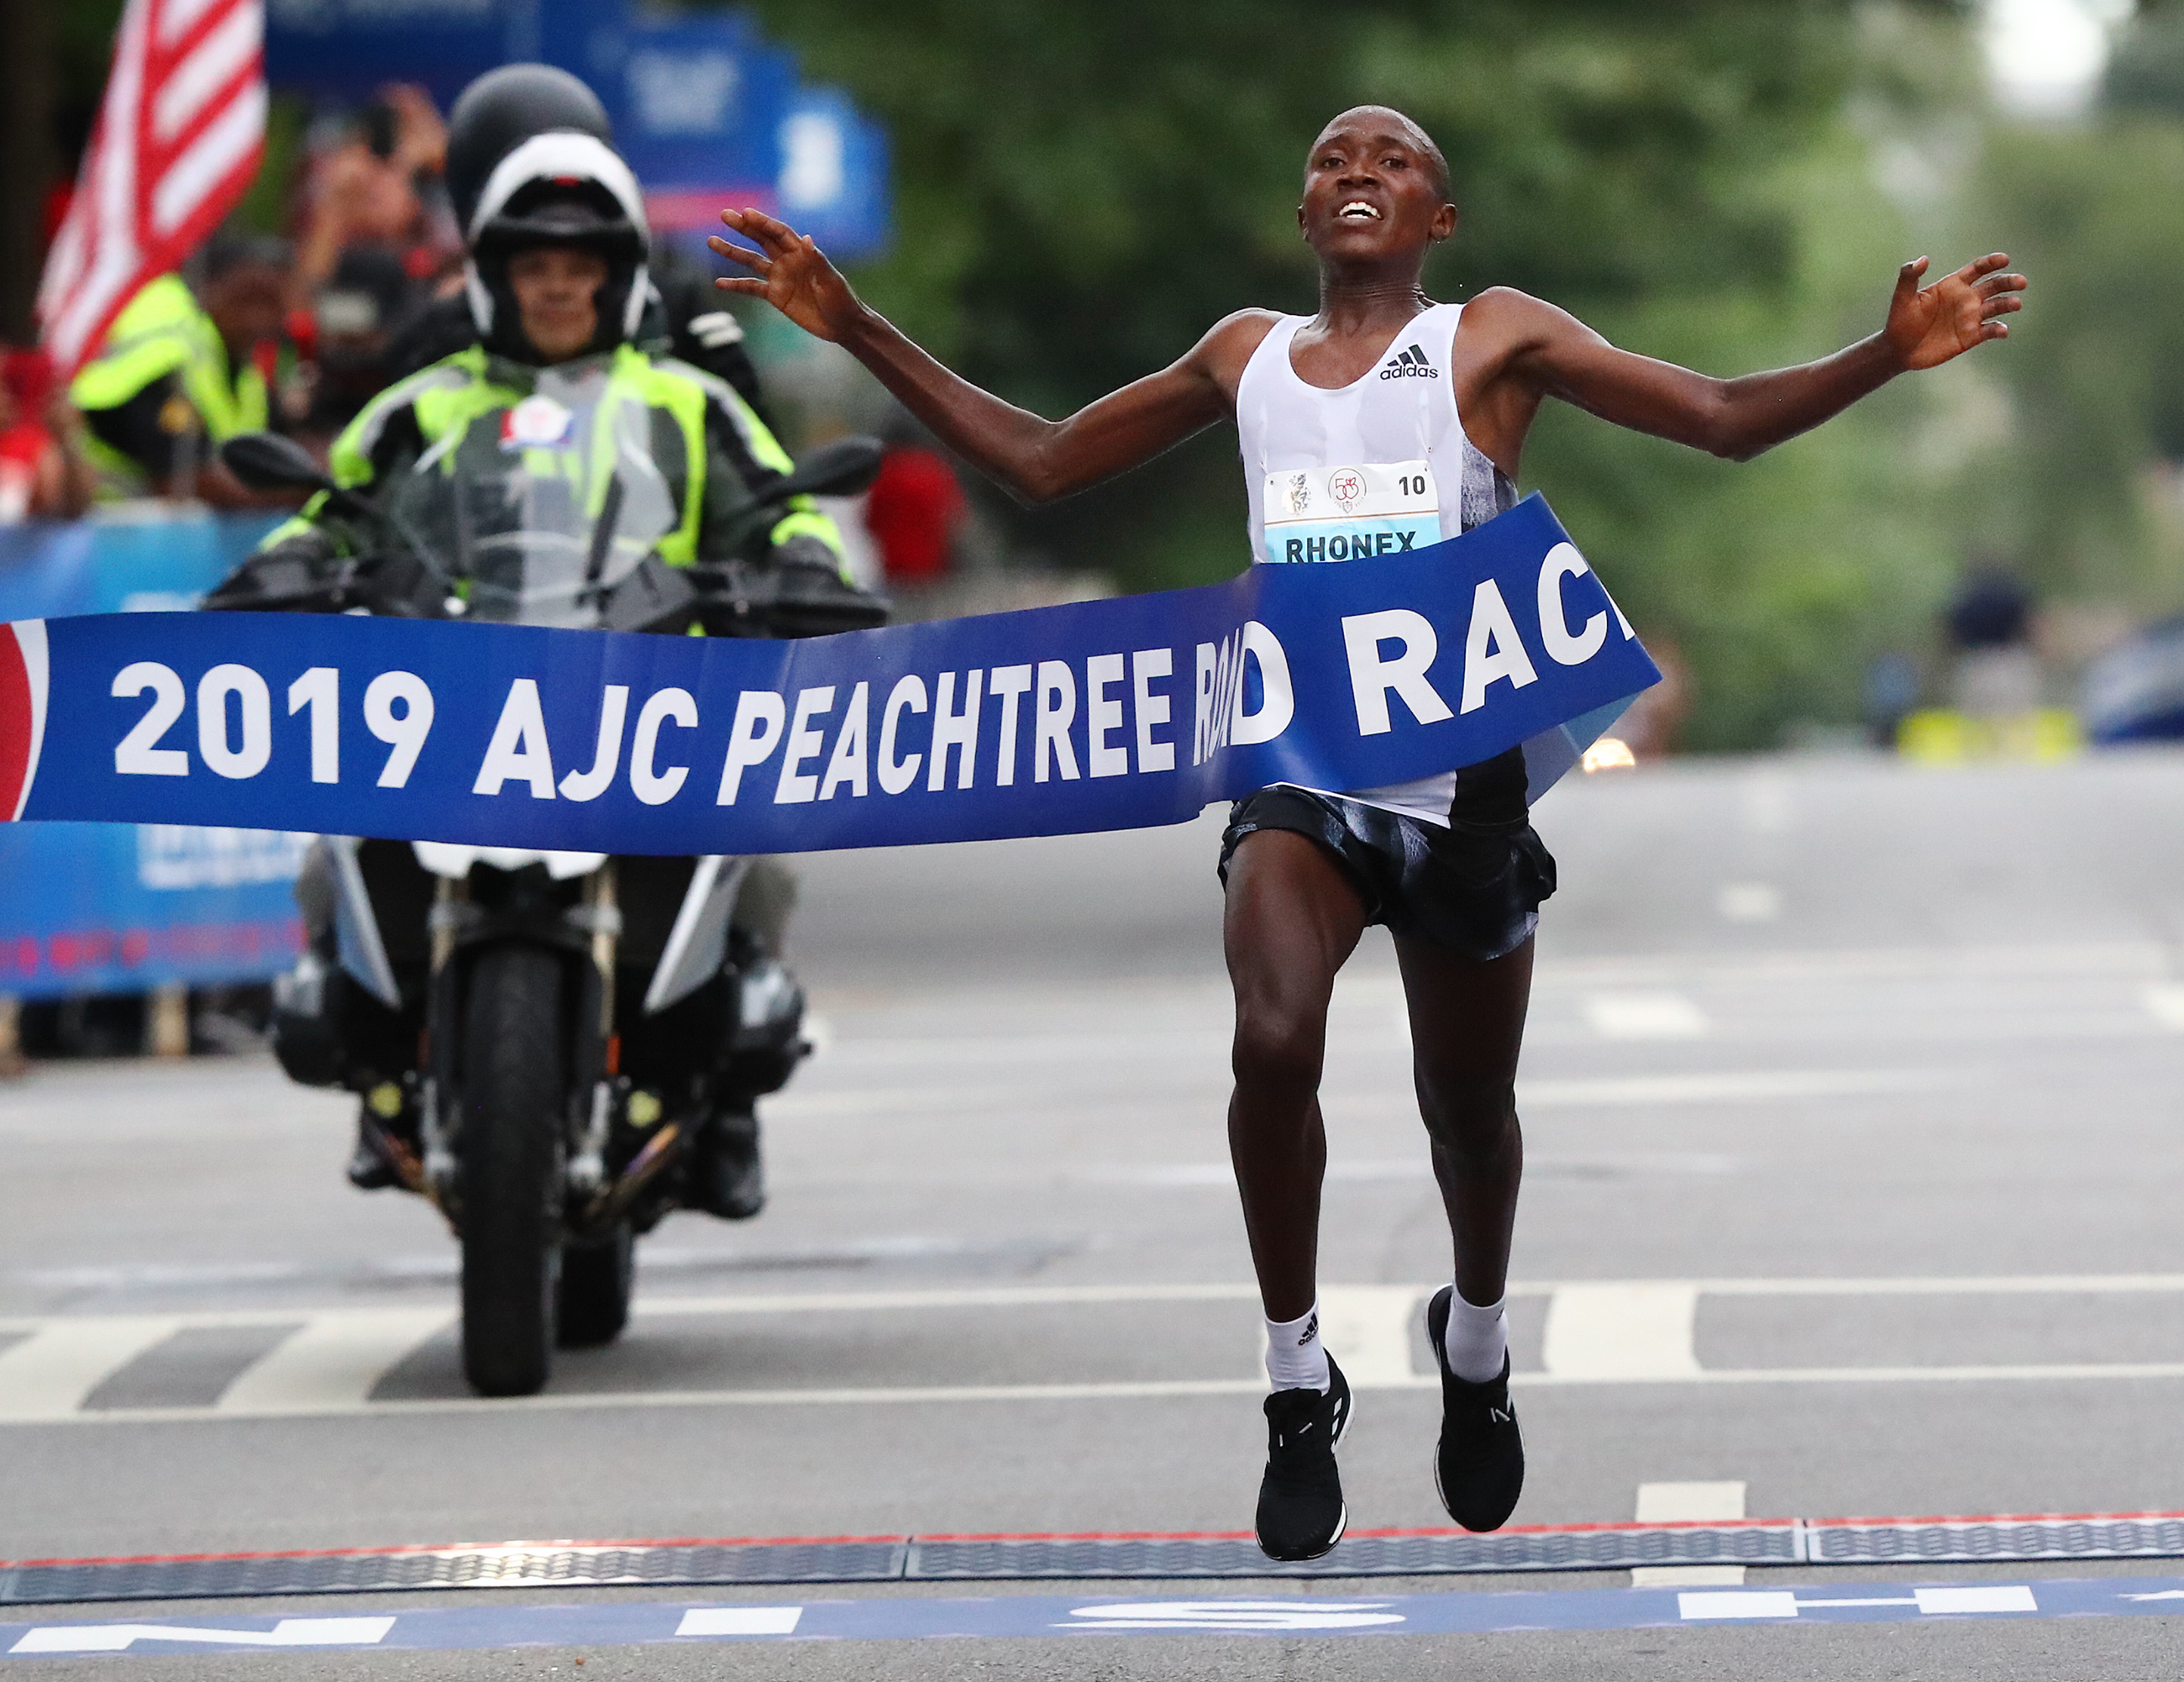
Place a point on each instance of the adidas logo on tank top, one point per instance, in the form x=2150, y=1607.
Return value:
x=1409, y=364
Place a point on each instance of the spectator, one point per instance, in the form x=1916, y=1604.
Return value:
x=1989, y=622
x=43, y=473
x=915, y=510
x=177, y=376
x=367, y=300
x=379, y=185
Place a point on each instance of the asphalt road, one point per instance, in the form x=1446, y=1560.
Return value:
x=1850, y=1098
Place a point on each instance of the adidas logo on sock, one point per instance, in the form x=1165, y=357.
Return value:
x=1311, y=1329
x=1409, y=364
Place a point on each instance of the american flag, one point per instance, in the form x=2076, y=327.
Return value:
x=178, y=139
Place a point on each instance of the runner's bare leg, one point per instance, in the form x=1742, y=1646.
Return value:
x=1467, y=1027
x=1292, y=919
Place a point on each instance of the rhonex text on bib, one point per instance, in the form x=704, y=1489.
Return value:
x=1351, y=513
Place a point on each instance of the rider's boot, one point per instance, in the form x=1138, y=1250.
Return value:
x=726, y=1176
x=370, y=1168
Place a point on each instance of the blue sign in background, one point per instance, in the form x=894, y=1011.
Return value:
x=112, y=908
x=706, y=111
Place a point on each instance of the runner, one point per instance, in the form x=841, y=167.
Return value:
x=1369, y=392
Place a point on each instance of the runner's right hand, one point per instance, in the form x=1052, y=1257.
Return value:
x=789, y=272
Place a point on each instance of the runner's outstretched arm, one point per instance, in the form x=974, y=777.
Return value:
x=1036, y=459
x=1552, y=354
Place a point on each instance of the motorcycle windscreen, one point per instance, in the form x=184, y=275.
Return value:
x=540, y=509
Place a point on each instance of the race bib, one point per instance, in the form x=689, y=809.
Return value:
x=1344, y=513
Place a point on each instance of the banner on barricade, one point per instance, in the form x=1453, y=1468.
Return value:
x=1106, y=715
x=118, y=907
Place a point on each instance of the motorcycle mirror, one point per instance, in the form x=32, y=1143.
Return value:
x=840, y=469
x=266, y=462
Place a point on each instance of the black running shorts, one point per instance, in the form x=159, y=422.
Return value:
x=1474, y=893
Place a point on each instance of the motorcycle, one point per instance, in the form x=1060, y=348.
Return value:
x=540, y=1038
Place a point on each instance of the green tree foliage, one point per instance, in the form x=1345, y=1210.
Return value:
x=1082, y=191
x=2084, y=499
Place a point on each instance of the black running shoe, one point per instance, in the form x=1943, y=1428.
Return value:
x=1479, y=1467
x=1300, y=1511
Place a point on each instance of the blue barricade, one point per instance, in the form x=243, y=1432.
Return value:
x=113, y=908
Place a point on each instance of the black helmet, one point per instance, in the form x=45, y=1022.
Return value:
x=504, y=108
x=560, y=187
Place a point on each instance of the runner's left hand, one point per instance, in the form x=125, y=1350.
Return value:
x=1928, y=328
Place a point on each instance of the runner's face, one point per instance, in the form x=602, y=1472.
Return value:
x=1370, y=192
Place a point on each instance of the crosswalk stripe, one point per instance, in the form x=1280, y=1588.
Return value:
x=49, y=1373
x=1597, y=1332
x=1367, y=1328
x=1602, y=1332
x=331, y=1360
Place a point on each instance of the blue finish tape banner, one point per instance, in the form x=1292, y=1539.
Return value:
x=1106, y=715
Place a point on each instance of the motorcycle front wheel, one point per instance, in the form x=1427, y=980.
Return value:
x=510, y=1156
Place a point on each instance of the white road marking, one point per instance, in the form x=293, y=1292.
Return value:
x=1367, y=1328
x=1264, y=1615
x=1751, y=1603
x=333, y=1360
x=1687, y=1504
x=1599, y=1332
x=1602, y=1333
x=1149, y=1390
x=1759, y=1085
x=1644, y=1015
x=740, y=1620
x=1931, y=1602
x=289, y=1632
x=2164, y=1003
x=1749, y=901
x=49, y=1373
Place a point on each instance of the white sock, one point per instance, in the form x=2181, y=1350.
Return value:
x=1296, y=1360
x=1478, y=1340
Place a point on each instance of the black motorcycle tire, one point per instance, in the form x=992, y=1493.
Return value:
x=596, y=1280
x=511, y=1158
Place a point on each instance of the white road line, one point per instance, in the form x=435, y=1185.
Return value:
x=951, y=1395
x=1749, y=901
x=332, y=1359
x=1612, y=1332
x=49, y=1373
x=651, y=1306
x=1687, y=1504
x=1644, y=1015
x=1931, y=1602
x=1758, y=1086
x=2164, y=1003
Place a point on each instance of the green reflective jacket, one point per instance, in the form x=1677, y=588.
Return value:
x=477, y=411
x=165, y=331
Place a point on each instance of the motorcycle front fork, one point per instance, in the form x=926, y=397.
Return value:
x=597, y=1048
x=595, y=1058
x=435, y=1125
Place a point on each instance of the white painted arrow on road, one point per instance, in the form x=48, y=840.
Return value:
x=289, y=1632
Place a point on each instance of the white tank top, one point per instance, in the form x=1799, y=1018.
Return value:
x=1379, y=466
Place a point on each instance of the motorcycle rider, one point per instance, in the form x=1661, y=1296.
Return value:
x=556, y=284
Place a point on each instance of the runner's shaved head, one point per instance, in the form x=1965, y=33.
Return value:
x=1387, y=116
